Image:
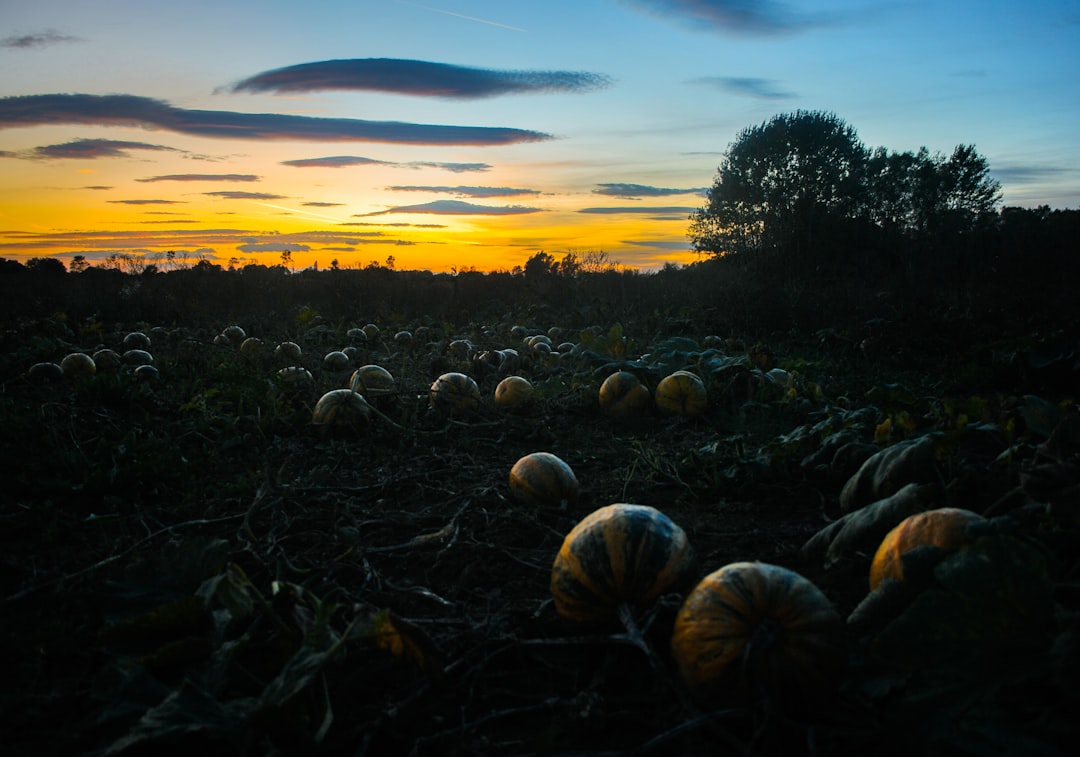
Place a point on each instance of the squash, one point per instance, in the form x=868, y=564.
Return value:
x=146, y=373
x=944, y=527
x=45, y=372
x=403, y=339
x=295, y=376
x=335, y=360
x=136, y=358
x=107, y=361
x=235, y=334
x=289, y=351
x=754, y=628
x=372, y=381
x=514, y=392
x=371, y=332
x=78, y=365
x=681, y=393
x=136, y=340
x=622, y=394
x=620, y=556
x=341, y=407
x=251, y=346
x=454, y=393
x=542, y=479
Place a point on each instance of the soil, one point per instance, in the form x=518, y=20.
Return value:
x=190, y=563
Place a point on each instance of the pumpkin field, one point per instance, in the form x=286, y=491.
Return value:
x=311, y=535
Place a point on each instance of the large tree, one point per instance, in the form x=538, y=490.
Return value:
x=778, y=182
x=800, y=183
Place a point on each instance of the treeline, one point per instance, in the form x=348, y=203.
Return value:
x=1016, y=275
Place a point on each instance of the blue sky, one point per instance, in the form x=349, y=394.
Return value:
x=469, y=132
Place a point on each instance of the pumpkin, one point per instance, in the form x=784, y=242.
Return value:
x=45, y=372
x=514, y=392
x=137, y=358
x=944, y=527
x=295, y=376
x=542, y=479
x=289, y=351
x=752, y=627
x=341, y=407
x=460, y=349
x=78, y=365
x=251, y=346
x=335, y=361
x=622, y=394
x=371, y=332
x=235, y=334
x=403, y=339
x=357, y=335
x=454, y=393
x=372, y=381
x=107, y=361
x=136, y=340
x=620, y=556
x=681, y=393
x=146, y=372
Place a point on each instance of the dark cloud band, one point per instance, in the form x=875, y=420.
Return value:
x=132, y=110
x=417, y=77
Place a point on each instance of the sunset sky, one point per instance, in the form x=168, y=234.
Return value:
x=474, y=133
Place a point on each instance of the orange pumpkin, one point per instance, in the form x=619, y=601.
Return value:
x=341, y=407
x=622, y=395
x=542, y=479
x=681, y=393
x=454, y=393
x=622, y=555
x=753, y=627
x=107, y=360
x=514, y=392
x=944, y=527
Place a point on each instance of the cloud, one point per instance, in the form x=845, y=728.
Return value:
x=456, y=208
x=322, y=204
x=272, y=247
x=657, y=244
x=469, y=191
x=132, y=110
x=91, y=149
x=753, y=17
x=762, y=89
x=45, y=38
x=1021, y=174
x=637, y=191
x=233, y=195
x=345, y=161
x=416, y=77
x=639, y=209
x=201, y=177
x=147, y=202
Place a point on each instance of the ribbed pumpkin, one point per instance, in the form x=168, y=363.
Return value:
x=372, y=381
x=945, y=527
x=45, y=372
x=620, y=555
x=335, y=360
x=542, y=479
x=681, y=393
x=752, y=627
x=454, y=393
x=341, y=407
x=514, y=392
x=290, y=351
x=136, y=358
x=107, y=360
x=622, y=395
x=78, y=365
x=136, y=340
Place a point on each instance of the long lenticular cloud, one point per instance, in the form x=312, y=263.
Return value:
x=456, y=208
x=417, y=77
x=132, y=110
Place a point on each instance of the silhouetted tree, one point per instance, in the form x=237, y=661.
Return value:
x=539, y=265
x=778, y=182
x=46, y=266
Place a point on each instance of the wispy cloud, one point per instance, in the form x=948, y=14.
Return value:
x=132, y=110
x=146, y=202
x=201, y=177
x=763, y=89
x=1021, y=174
x=463, y=16
x=461, y=191
x=754, y=17
x=92, y=149
x=456, y=208
x=345, y=161
x=322, y=204
x=637, y=191
x=417, y=77
x=639, y=209
x=45, y=38
x=234, y=195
